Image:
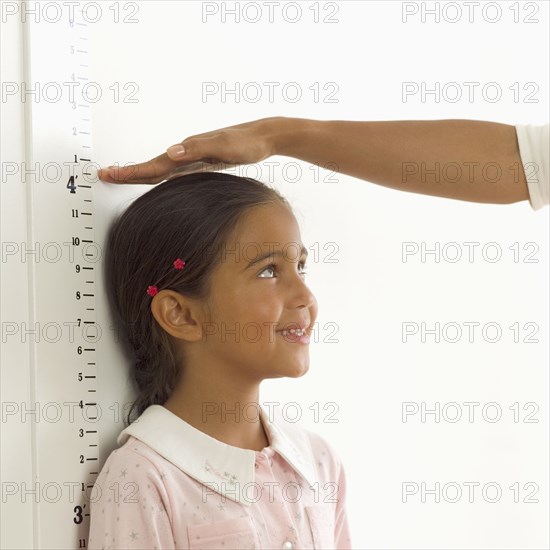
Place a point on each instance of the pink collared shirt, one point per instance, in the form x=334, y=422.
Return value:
x=172, y=486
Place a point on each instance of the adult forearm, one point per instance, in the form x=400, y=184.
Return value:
x=461, y=159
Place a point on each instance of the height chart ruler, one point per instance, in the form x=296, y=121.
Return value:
x=59, y=187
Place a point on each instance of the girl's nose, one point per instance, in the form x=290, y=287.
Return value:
x=304, y=296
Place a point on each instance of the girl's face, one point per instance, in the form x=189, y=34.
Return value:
x=255, y=296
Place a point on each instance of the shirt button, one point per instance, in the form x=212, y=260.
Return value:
x=288, y=545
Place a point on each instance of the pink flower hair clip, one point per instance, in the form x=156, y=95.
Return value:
x=178, y=264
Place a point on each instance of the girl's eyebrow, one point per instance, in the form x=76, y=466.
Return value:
x=272, y=254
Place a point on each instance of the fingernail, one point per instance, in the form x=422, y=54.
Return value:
x=176, y=151
x=109, y=172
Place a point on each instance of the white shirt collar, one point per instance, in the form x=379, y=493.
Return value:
x=214, y=463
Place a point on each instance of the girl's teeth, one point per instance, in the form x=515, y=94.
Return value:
x=299, y=332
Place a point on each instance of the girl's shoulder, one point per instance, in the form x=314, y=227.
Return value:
x=320, y=444
x=323, y=453
x=134, y=461
x=130, y=499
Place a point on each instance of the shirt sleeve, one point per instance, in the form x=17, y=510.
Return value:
x=129, y=505
x=342, y=537
x=534, y=149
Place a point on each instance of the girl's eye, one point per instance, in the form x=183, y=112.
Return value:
x=273, y=267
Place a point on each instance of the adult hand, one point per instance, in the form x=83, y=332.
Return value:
x=216, y=150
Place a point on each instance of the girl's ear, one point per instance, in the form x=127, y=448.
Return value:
x=178, y=316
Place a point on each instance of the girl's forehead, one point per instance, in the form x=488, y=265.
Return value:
x=262, y=236
x=260, y=232
x=267, y=222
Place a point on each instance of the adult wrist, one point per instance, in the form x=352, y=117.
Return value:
x=279, y=132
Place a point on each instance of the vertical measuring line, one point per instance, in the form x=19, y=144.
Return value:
x=60, y=228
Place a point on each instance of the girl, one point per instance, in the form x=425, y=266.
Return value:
x=205, y=274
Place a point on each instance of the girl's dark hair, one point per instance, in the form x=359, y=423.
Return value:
x=189, y=217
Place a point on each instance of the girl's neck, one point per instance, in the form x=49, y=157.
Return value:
x=237, y=424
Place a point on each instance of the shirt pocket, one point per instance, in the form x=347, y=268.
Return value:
x=229, y=534
x=321, y=523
